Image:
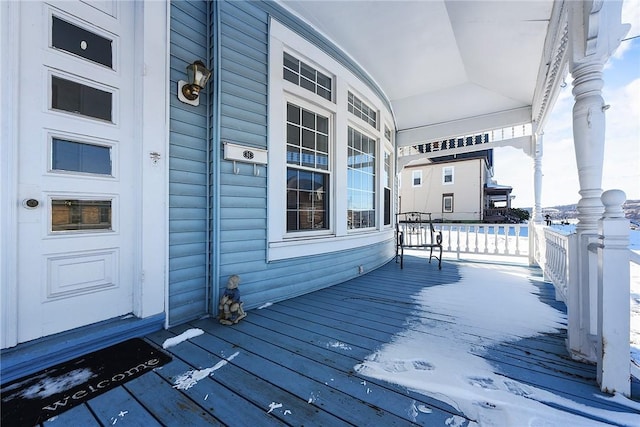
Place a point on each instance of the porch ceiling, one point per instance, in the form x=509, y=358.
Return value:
x=441, y=61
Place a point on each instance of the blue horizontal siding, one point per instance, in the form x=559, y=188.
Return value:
x=187, y=153
x=177, y=276
x=190, y=12
x=217, y=206
x=242, y=210
x=192, y=166
x=243, y=235
x=186, y=238
x=188, y=168
x=187, y=221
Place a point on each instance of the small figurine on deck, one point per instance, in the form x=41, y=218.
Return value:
x=230, y=307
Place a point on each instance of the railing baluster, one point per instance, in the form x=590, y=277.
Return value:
x=466, y=229
x=506, y=239
x=476, y=234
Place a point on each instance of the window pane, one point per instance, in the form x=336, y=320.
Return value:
x=80, y=99
x=326, y=94
x=293, y=114
x=322, y=143
x=291, y=62
x=76, y=40
x=308, y=119
x=290, y=76
x=80, y=157
x=361, y=110
x=304, y=75
x=322, y=161
x=308, y=139
x=387, y=206
x=307, y=84
x=308, y=72
x=293, y=135
x=293, y=155
x=307, y=207
x=324, y=81
x=78, y=215
x=361, y=180
x=308, y=158
x=322, y=124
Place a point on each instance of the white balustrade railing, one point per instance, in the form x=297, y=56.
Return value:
x=485, y=239
x=558, y=260
x=463, y=141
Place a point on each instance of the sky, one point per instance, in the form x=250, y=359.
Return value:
x=444, y=359
x=621, y=168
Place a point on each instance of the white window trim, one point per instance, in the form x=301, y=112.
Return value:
x=444, y=174
x=283, y=245
x=444, y=197
x=415, y=174
x=304, y=103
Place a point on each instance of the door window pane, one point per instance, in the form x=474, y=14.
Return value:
x=80, y=99
x=76, y=40
x=80, y=157
x=78, y=215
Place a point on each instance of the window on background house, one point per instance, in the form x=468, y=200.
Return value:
x=416, y=178
x=361, y=180
x=308, y=170
x=447, y=175
x=447, y=203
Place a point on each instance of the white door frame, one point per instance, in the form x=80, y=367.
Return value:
x=151, y=44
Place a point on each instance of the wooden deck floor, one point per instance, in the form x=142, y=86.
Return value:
x=301, y=354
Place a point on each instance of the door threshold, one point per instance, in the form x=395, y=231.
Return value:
x=33, y=356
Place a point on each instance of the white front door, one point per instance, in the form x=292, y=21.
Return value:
x=78, y=226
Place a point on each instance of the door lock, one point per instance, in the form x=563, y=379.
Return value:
x=30, y=203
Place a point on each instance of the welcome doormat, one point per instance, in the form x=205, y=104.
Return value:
x=34, y=399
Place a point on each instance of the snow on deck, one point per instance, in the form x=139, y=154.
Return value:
x=471, y=344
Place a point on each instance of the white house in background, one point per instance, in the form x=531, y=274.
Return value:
x=455, y=188
x=126, y=204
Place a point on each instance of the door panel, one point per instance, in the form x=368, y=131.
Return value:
x=77, y=157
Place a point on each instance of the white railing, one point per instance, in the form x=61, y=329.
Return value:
x=590, y=270
x=485, y=239
x=558, y=259
x=465, y=141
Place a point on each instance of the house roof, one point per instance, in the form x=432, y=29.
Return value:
x=441, y=62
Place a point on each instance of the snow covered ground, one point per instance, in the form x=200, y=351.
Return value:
x=449, y=368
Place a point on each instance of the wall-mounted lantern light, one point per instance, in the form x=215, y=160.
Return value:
x=198, y=75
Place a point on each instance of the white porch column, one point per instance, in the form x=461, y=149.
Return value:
x=536, y=214
x=595, y=32
x=613, y=297
x=537, y=179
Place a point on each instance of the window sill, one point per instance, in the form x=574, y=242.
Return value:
x=321, y=245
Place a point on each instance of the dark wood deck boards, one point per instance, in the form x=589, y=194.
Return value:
x=301, y=353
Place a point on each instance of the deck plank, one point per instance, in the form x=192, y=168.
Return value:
x=230, y=388
x=307, y=381
x=166, y=404
x=117, y=406
x=302, y=352
x=339, y=361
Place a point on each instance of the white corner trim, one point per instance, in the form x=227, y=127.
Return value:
x=9, y=66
